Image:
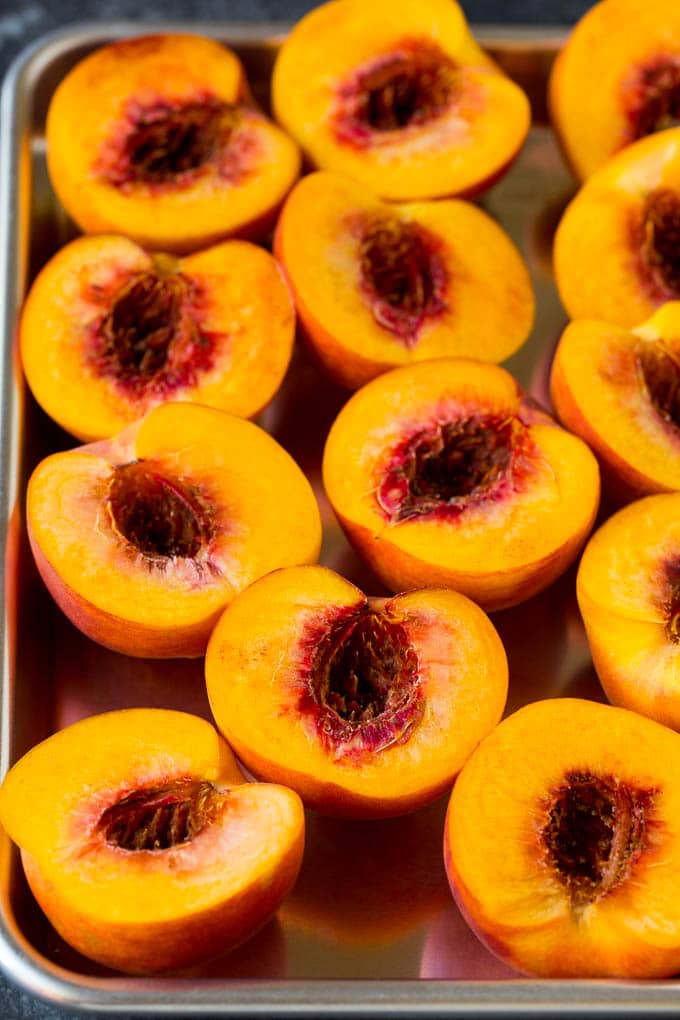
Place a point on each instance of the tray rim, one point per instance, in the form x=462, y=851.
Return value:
x=21, y=964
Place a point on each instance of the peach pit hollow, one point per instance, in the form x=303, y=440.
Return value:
x=161, y=817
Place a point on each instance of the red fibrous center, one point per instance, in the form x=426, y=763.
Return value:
x=670, y=573
x=651, y=97
x=149, y=342
x=161, y=817
x=595, y=831
x=660, y=243
x=443, y=468
x=409, y=87
x=160, y=516
x=403, y=275
x=661, y=378
x=363, y=683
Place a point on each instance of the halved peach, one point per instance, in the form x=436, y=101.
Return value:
x=401, y=100
x=109, y=331
x=616, y=80
x=380, y=285
x=152, y=137
x=628, y=591
x=367, y=708
x=562, y=839
x=616, y=251
x=143, y=539
x=442, y=473
x=142, y=843
x=620, y=391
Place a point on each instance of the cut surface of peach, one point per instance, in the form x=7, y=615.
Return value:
x=619, y=390
x=151, y=137
x=381, y=285
x=628, y=591
x=441, y=473
x=401, y=100
x=366, y=708
x=143, y=539
x=616, y=254
x=109, y=331
x=616, y=80
x=143, y=845
x=562, y=839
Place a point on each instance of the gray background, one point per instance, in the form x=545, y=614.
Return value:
x=22, y=21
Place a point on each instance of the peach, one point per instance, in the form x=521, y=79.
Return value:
x=380, y=285
x=616, y=254
x=143, y=845
x=442, y=473
x=367, y=708
x=109, y=331
x=619, y=390
x=401, y=100
x=616, y=80
x=562, y=839
x=152, y=137
x=628, y=591
x=143, y=539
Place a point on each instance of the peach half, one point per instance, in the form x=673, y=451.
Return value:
x=402, y=100
x=109, y=331
x=143, y=845
x=152, y=137
x=562, y=840
x=620, y=391
x=366, y=707
x=443, y=473
x=616, y=248
x=143, y=539
x=616, y=80
x=628, y=589
x=380, y=285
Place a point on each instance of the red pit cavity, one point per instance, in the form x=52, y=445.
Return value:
x=162, y=517
x=443, y=468
x=596, y=830
x=660, y=241
x=407, y=88
x=651, y=97
x=149, y=342
x=670, y=573
x=363, y=688
x=403, y=276
x=660, y=373
x=161, y=817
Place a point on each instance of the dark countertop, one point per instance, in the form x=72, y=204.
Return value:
x=22, y=21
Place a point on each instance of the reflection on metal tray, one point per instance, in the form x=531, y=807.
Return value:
x=371, y=916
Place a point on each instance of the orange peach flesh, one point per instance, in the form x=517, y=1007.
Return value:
x=432, y=675
x=191, y=891
x=470, y=293
x=225, y=168
x=454, y=126
x=615, y=388
x=154, y=585
x=551, y=894
x=109, y=331
x=525, y=506
x=629, y=595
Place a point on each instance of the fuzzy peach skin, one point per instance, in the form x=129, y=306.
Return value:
x=380, y=285
x=616, y=79
x=366, y=707
x=159, y=891
x=402, y=101
x=617, y=389
x=143, y=539
x=562, y=839
x=152, y=137
x=109, y=331
x=615, y=253
x=441, y=473
x=628, y=589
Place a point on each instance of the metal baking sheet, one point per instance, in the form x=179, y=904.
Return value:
x=371, y=927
